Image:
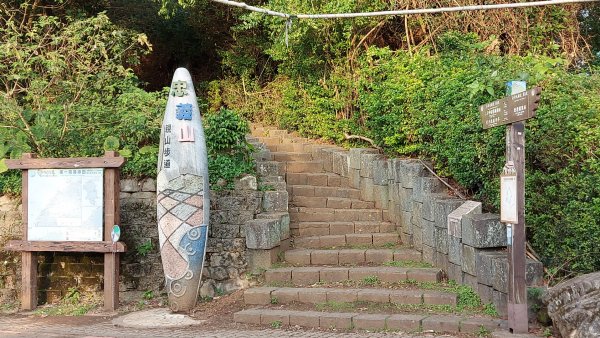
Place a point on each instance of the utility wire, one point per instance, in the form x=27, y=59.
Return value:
x=400, y=12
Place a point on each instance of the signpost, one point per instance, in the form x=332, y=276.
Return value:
x=78, y=213
x=512, y=111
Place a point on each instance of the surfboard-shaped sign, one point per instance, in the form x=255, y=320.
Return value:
x=182, y=194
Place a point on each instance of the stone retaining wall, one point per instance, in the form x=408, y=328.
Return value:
x=471, y=249
x=234, y=215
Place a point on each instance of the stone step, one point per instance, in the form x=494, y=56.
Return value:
x=323, y=191
x=304, y=257
x=287, y=147
x=365, y=321
x=286, y=295
x=339, y=228
x=368, y=239
x=317, y=179
x=301, y=214
x=315, y=274
x=302, y=166
x=330, y=202
x=284, y=156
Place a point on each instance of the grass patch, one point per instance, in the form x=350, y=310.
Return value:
x=280, y=284
x=408, y=264
x=74, y=303
x=370, y=280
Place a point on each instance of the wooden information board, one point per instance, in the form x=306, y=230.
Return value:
x=110, y=164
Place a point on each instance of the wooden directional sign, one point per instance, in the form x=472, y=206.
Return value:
x=514, y=108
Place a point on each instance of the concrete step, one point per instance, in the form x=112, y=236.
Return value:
x=317, y=179
x=327, y=241
x=304, y=257
x=284, y=156
x=366, y=321
x=316, y=274
x=330, y=202
x=323, y=191
x=302, y=166
x=320, y=228
x=286, y=295
x=301, y=214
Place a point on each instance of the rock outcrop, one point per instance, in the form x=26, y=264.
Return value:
x=574, y=306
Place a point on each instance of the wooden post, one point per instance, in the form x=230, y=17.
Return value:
x=111, y=217
x=28, y=258
x=517, y=290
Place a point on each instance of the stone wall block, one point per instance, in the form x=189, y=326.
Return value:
x=381, y=196
x=442, y=208
x=284, y=222
x=441, y=240
x=130, y=185
x=366, y=164
x=425, y=186
x=366, y=189
x=455, y=250
x=148, y=184
x=405, y=221
x=409, y=170
x=406, y=200
x=428, y=230
x=483, y=231
x=429, y=202
x=247, y=182
x=500, y=271
x=354, y=178
x=275, y=201
x=340, y=163
x=267, y=168
x=380, y=172
x=454, y=272
x=392, y=171
x=262, y=233
x=469, y=258
x=354, y=156
x=484, y=267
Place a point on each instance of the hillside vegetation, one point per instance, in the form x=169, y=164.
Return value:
x=76, y=77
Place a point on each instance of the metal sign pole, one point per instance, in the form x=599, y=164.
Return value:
x=517, y=290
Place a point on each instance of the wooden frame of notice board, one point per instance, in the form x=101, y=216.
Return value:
x=110, y=163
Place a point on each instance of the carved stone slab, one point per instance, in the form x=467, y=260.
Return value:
x=182, y=194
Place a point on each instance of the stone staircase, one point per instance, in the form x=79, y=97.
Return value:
x=346, y=267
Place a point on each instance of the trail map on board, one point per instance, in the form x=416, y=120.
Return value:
x=65, y=205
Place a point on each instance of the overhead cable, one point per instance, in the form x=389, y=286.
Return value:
x=401, y=12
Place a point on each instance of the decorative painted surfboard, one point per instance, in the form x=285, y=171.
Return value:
x=182, y=194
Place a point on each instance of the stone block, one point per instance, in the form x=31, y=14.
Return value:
x=485, y=293
x=442, y=208
x=380, y=172
x=417, y=235
x=425, y=274
x=405, y=221
x=258, y=296
x=470, y=280
x=284, y=222
x=354, y=156
x=130, y=185
x=439, y=298
x=275, y=201
x=366, y=189
x=305, y=276
x=425, y=186
x=454, y=250
x=441, y=261
x=354, y=178
x=406, y=323
x=298, y=257
x=283, y=275
x=340, y=163
x=284, y=295
x=469, y=257
x=305, y=318
x=409, y=170
x=249, y=316
x=247, y=182
x=483, y=231
x=148, y=184
x=374, y=295
x=456, y=216
x=369, y=321
x=441, y=323
x=379, y=255
x=335, y=320
x=406, y=200
x=381, y=196
x=267, y=168
x=385, y=238
x=259, y=260
x=359, y=239
x=334, y=275
x=429, y=254
x=351, y=256
x=366, y=164
x=342, y=295
x=429, y=204
x=312, y=295
x=534, y=273
x=484, y=267
x=441, y=240
x=392, y=275
x=455, y=272
x=272, y=316
x=416, y=215
x=406, y=297
x=262, y=233
x=324, y=257
x=428, y=229
x=500, y=273
x=500, y=300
